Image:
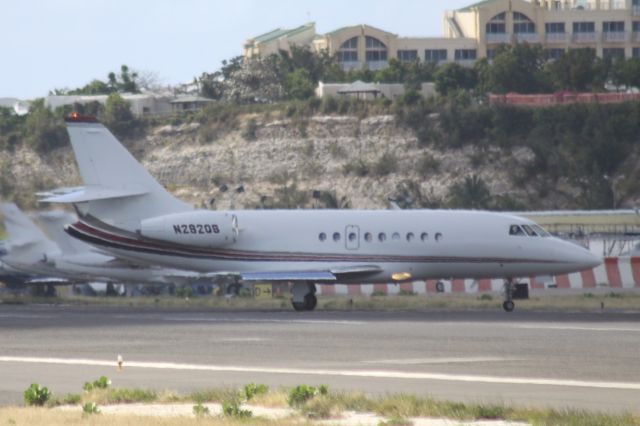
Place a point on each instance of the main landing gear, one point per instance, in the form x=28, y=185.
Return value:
x=509, y=287
x=304, y=296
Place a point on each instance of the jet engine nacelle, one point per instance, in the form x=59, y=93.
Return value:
x=202, y=228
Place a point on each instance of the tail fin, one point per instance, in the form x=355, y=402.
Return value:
x=53, y=224
x=26, y=241
x=107, y=167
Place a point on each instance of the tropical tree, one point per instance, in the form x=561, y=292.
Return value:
x=471, y=193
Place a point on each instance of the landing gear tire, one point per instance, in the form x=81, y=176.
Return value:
x=309, y=304
x=304, y=297
x=508, y=306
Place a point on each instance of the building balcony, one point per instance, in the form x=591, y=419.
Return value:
x=468, y=63
x=556, y=38
x=351, y=65
x=585, y=37
x=377, y=65
x=498, y=38
x=615, y=37
x=527, y=38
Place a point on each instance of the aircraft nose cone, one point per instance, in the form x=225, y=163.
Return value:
x=590, y=260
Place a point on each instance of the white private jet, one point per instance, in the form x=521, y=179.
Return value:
x=124, y=210
x=58, y=259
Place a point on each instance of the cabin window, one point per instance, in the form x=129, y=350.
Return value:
x=438, y=236
x=395, y=236
x=424, y=237
x=322, y=236
x=530, y=232
x=368, y=237
x=382, y=237
x=540, y=231
x=352, y=236
x=336, y=236
x=516, y=230
x=410, y=237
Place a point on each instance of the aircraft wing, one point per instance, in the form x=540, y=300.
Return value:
x=47, y=280
x=332, y=275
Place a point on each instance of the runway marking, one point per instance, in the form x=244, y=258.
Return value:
x=262, y=321
x=574, y=328
x=26, y=316
x=418, y=361
x=380, y=374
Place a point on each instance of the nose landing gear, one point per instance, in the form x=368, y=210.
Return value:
x=509, y=287
x=304, y=297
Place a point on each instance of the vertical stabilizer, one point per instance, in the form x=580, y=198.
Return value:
x=26, y=243
x=107, y=167
x=53, y=224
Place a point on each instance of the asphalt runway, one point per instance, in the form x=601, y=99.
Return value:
x=562, y=360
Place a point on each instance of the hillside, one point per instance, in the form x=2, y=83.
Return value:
x=350, y=161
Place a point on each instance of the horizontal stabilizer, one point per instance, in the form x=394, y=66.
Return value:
x=95, y=193
x=288, y=276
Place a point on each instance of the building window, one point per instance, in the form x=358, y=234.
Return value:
x=613, y=53
x=636, y=52
x=376, y=50
x=584, y=27
x=636, y=26
x=497, y=24
x=408, y=55
x=491, y=54
x=613, y=27
x=348, y=51
x=553, y=54
x=466, y=54
x=554, y=28
x=435, y=55
x=522, y=24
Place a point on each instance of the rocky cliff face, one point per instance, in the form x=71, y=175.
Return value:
x=362, y=162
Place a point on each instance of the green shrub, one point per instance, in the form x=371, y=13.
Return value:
x=37, y=395
x=231, y=408
x=299, y=395
x=252, y=390
x=102, y=383
x=485, y=297
x=250, y=130
x=386, y=164
x=128, y=396
x=359, y=168
x=90, y=408
x=200, y=410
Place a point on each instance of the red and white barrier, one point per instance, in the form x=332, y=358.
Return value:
x=615, y=273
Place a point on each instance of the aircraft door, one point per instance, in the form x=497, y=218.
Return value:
x=352, y=237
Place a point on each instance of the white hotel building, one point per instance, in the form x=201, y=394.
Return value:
x=611, y=27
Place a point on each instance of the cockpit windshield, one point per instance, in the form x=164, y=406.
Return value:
x=528, y=231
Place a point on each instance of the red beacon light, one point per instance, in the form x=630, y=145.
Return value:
x=76, y=117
